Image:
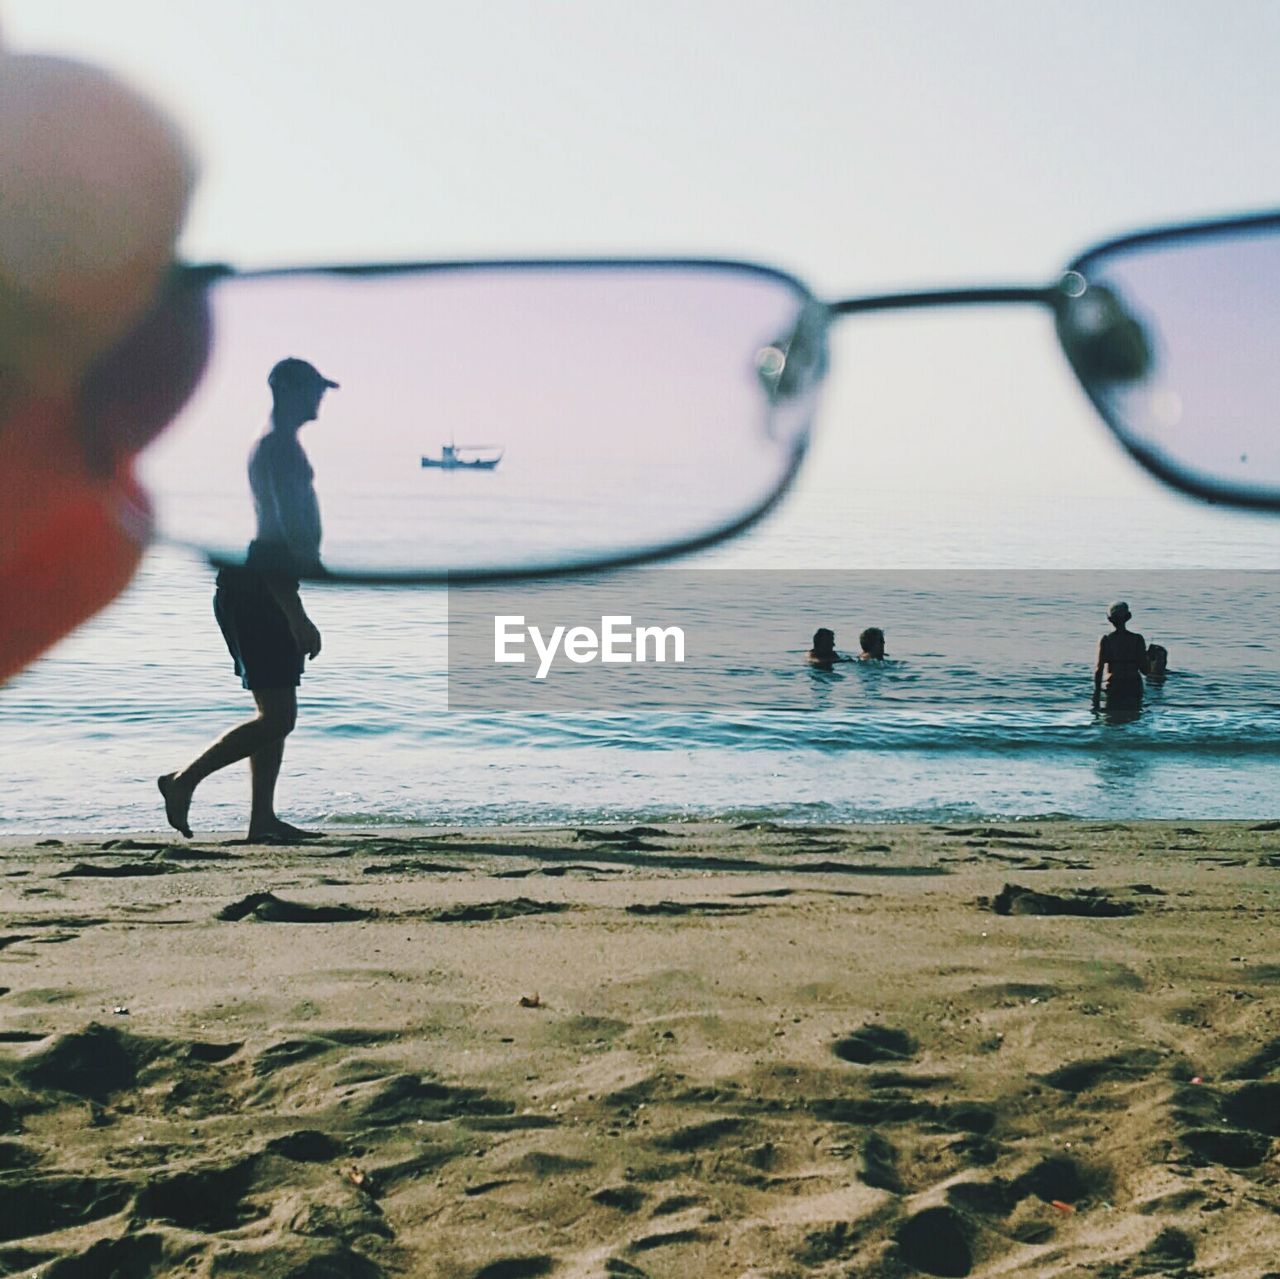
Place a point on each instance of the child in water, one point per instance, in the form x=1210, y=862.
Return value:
x=1157, y=663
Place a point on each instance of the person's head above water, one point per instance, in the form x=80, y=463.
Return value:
x=872, y=642
x=297, y=387
x=1118, y=614
x=824, y=641
x=1158, y=658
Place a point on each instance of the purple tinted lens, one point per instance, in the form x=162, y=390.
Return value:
x=501, y=417
x=1177, y=340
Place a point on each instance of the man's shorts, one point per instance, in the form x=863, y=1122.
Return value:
x=257, y=632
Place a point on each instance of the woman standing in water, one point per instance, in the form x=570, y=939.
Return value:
x=1123, y=655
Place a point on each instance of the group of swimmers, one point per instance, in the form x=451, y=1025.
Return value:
x=823, y=654
x=1124, y=657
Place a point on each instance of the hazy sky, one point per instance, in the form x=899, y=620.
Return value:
x=861, y=144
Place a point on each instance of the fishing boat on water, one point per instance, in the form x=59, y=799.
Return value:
x=451, y=458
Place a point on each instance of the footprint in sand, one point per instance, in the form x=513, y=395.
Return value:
x=92, y=1063
x=938, y=1241
x=676, y=909
x=132, y=1254
x=699, y=1136
x=14, y=1155
x=616, y=1268
x=872, y=1043
x=1256, y=1107
x=1259, y=1064
x=1089, y=903
x=268, y=908
x=291, y=1052
x=202, y=1199
x=1229, y=1147
x=624, y=1198
x=1171, y=1251
x=37, y=1204
x=483, y=912
x=307, y=1145
x=666, y=1239
x=880, y=1164
x=1082, y=1076
x=124, y=870
x=517, y=1268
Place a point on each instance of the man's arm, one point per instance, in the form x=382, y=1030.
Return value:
x=306, y=634
x=1098, y=668
x=281, y=480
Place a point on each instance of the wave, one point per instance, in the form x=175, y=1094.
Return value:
x=1209, y=734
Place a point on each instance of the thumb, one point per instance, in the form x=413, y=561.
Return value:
x=96, y=183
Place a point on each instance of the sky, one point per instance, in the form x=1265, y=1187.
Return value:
x=862, y=145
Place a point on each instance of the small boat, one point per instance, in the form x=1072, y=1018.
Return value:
x=449, y=459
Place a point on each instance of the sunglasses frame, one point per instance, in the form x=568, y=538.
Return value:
x=1052, y=296
x=1184, y=480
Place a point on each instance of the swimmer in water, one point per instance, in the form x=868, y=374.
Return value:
x=1157, y=663
x=872, y=643
x=823, y=654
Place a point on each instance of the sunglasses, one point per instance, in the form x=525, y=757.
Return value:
x=517, y=418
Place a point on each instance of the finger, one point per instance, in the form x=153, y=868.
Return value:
x=96, y=183
x=93, y=186
x=133, y=390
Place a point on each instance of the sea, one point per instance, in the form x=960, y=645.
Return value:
x=992, y=610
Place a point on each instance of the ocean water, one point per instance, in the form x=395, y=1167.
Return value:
x=993, y=609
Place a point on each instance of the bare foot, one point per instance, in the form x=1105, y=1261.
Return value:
x=277, y=831
x=177, y=803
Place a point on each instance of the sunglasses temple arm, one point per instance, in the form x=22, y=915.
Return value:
x=198, y=275
x=997, y=295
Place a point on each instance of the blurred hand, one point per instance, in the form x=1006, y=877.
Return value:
x=94, y=184
x=306, y=635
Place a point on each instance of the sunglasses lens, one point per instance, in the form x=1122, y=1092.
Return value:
x=1177, y=341
x=500, y=418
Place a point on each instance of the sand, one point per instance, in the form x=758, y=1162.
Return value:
x=1044, y=1049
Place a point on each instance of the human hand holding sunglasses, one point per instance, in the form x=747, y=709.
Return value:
x=94, y=184
x=518, y=418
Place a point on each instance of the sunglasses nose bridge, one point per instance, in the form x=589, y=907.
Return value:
x=792, y=368
x=1104, y=339
x=795, y=361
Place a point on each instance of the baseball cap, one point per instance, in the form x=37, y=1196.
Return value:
x=295, y=372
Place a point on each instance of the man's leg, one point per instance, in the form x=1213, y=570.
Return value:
x=264, y=770
x=277, y=714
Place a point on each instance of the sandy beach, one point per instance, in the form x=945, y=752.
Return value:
x=1038, y=1049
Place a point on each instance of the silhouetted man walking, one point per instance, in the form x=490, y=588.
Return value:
x=259, y=611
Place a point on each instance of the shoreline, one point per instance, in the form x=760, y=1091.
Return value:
x=662, y=1049
x=732, y=822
